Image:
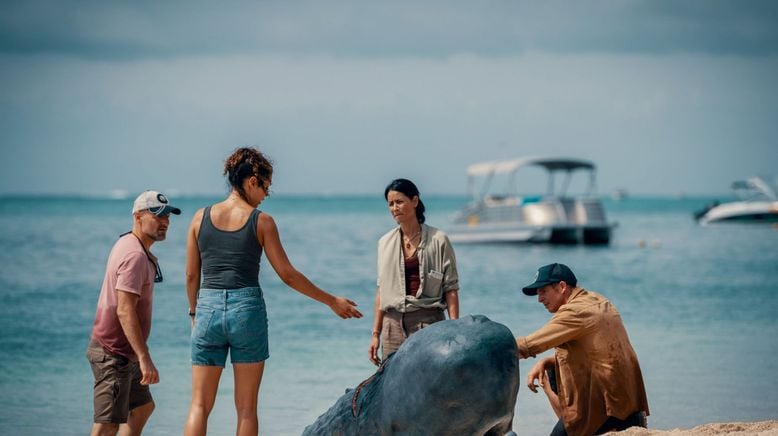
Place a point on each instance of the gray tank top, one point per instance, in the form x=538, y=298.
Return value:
x=229, y=259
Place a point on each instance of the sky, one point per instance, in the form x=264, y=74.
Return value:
x=665, y=97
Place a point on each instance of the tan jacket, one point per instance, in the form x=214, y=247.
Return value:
x=437, y=271
x=597, y=371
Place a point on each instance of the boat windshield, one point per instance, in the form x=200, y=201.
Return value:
x=757, y=188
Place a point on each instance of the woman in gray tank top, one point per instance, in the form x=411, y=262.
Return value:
x=224, y=246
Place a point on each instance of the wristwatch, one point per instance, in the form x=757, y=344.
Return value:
x=191, y=312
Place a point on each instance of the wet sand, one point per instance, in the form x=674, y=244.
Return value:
x=761, y=428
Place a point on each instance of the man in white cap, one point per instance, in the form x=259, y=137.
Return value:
x=117, y=351
x=593, y=381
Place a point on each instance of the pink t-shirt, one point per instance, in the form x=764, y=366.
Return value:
x=128, y=270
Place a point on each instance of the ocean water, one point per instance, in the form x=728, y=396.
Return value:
x=699, y=304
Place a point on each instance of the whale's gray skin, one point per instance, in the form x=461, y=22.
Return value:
x=456, y=377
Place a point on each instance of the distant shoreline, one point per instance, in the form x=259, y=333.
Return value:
x=324, y=195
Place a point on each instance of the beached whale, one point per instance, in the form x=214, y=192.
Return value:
x=456, y=377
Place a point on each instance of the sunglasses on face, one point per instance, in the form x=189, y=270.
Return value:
x=265, y=185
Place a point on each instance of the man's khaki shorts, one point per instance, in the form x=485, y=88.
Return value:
x=117, y=385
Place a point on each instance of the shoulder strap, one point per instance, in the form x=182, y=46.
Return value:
x=253, y=218
x=205, y=222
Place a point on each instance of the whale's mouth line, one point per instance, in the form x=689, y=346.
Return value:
x=355, y=397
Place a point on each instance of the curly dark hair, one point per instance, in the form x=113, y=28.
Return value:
x=245, y=162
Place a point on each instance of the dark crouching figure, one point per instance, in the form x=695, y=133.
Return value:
x=453, y=377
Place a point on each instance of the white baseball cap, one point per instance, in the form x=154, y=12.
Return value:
x=155, y=202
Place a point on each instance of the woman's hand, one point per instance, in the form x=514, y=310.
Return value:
x=345, y=308
x=372, y=351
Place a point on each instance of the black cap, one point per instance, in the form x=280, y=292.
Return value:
x=549, y=274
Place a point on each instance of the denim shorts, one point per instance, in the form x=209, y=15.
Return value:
x=233, y=320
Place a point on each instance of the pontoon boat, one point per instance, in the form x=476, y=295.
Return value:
x=551, y=218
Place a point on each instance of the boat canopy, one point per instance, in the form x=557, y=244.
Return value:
x=512, y=165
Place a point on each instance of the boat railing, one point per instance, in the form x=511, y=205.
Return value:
x=589, y=211
x=570, y=210
x=501, y=200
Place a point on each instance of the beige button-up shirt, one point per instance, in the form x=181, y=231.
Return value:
x=437, y=271
x=597, y=371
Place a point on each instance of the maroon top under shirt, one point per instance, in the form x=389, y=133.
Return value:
x=412, y=280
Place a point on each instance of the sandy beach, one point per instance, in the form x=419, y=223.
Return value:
x=761, y=428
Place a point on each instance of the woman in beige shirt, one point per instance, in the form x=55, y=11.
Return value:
x=417, y=273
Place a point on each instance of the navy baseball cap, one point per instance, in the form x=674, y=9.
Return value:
x=549, y=274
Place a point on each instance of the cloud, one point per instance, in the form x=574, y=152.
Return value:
x=652, y=124
x=664, y=96
x=153, y=29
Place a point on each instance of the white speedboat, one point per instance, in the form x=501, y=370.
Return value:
x=551, y=218
x=758, y=204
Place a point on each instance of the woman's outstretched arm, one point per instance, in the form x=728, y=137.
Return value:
x=267, y=233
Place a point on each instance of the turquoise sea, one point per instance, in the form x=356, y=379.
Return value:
x=700, y=305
